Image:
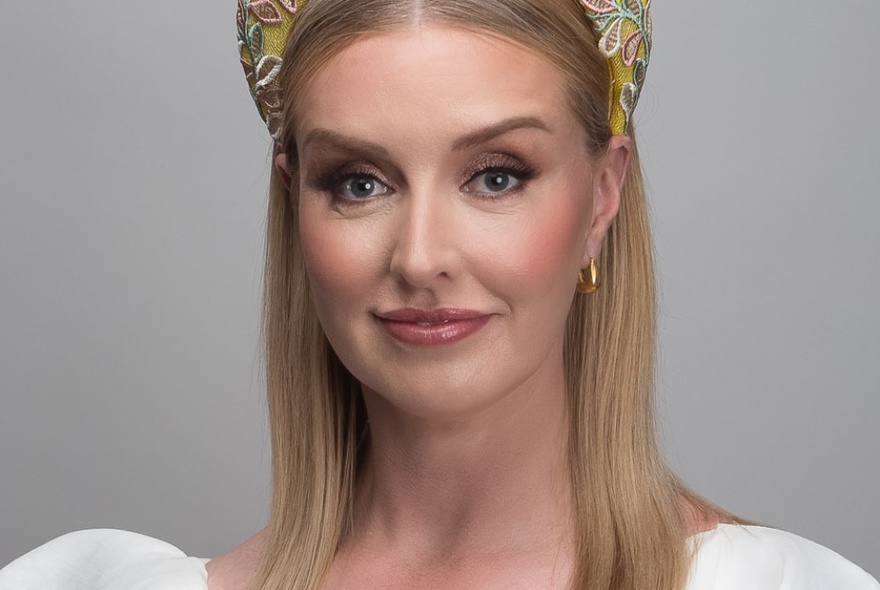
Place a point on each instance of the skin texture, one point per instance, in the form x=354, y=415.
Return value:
x=467, y=482
x=434, y=240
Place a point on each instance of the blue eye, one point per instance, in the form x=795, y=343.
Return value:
x=494, y=182
x=359, y=187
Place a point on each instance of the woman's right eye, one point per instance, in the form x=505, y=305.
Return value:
x=359, y=187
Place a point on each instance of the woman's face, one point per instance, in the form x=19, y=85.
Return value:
x=447, y=202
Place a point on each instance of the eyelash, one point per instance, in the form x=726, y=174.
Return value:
x=504, y=164
x=332, y=182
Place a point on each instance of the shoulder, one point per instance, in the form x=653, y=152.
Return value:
x=731, y=557
x=104, y=559
x=236, y=570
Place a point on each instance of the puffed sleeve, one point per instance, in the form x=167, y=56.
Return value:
x=104, y=559
x=733, y=557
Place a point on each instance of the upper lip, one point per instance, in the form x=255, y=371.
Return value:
x=429, y=316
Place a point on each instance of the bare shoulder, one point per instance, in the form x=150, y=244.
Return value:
x=236, y=570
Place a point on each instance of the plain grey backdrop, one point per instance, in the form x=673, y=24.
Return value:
x=133, y=174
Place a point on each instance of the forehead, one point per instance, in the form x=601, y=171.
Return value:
x=433, y=77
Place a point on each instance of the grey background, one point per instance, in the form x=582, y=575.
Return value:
x=133, y=173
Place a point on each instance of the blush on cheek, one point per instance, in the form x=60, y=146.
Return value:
x=338, y=256
x=328, y=261
x=548, y=246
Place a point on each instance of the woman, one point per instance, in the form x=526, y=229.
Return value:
x=459, y=317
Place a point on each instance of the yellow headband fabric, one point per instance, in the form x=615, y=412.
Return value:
x=625, y=32
x=624, y=27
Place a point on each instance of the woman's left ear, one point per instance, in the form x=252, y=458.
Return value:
x=608, y=181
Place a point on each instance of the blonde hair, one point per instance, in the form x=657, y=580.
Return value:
x=630, y=531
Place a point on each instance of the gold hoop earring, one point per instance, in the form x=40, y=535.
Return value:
x=588, y=282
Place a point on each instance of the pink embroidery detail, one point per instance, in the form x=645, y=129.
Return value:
x=270, y=98
x=248, y=70
x=289, y=5
x=265, y=12
x=600, y=6
x=240, y=15
x=631, y=48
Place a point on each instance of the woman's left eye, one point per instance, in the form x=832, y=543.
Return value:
x=495, y=181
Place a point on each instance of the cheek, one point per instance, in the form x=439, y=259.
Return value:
x=544, y=248
x=337, y=258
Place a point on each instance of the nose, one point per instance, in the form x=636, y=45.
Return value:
x=425, y=252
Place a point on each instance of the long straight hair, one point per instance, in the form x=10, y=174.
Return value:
x=629, y=523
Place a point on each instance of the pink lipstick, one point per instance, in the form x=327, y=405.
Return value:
x=433, y=327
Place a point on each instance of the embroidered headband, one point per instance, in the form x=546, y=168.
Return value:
x=624, y=27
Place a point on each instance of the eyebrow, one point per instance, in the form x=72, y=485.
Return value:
x=492, y=131
x=351, y=144
x=344, y=142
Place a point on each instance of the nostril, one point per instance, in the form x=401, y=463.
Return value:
x=424, y=247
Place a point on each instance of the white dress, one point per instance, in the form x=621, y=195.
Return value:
x=729, y=557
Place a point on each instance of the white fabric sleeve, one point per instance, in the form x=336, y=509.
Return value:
x=729, y=557
x=733, y=557
x=105, y=559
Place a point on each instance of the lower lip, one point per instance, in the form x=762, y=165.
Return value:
x=435, y=334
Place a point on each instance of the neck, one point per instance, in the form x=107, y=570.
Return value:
x=490, y=481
